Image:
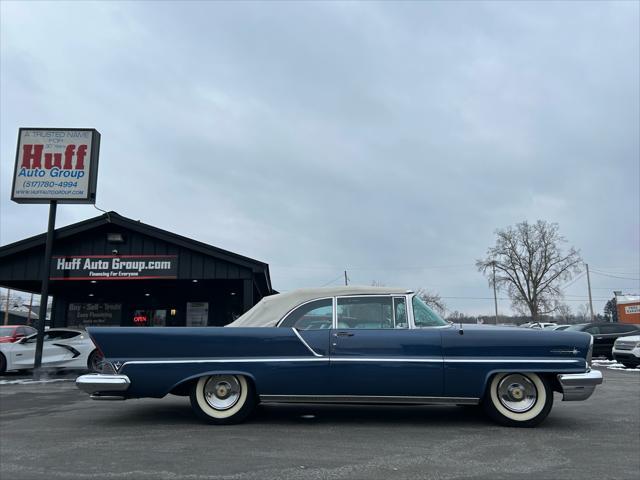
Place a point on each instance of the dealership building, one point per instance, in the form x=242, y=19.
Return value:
x=115, y=271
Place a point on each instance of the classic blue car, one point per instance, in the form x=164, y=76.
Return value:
x=362, y=345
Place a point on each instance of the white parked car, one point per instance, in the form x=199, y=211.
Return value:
x=626, y=350
x=62, y=348
x=539, y=325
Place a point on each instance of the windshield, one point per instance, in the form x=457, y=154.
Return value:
x=424, y=316
x=579, y=327
x=6, y=331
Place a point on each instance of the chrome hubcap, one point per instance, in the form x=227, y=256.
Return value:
x=222, y=391
x=517, y=393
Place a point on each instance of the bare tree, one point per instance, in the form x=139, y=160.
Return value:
x=563, y=313
x=583, y=313
x=432, y=299
x=530, y=264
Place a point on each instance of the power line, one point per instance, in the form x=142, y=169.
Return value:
x=573, y=281
x=584, y=299
x=606, y=268
x=333, y=267
x=613, y=276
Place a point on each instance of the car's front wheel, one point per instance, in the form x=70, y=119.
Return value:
x=518, y=399
x=223, y=399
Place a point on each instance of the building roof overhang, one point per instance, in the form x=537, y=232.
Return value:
x=113, y=218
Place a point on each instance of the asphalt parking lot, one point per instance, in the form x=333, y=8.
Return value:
x=53, y=431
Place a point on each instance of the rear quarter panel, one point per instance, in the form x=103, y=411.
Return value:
x=158, y=359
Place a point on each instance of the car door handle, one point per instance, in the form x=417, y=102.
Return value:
x=343, y=334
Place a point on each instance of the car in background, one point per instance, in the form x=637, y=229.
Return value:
x=62, y=348
x=13, y=333
x=538, y=325
x=605, y=334
x=626, y=350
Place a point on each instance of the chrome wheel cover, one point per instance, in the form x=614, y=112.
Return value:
x=517, y=393
x=222, y=392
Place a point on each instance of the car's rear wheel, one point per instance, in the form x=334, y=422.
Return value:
x=518, y=399
x=3, y=364
x=223, y=399
x=95, y=361
x=629, y=365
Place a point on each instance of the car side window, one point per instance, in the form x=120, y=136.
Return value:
x=365, y=312
x=610, y=329
x=629, y=328
x=63, y=335
x=34, y=338
x=400, y=312
x=592, y=330
x=423, y=316
x=316, y=315
x=614, y=328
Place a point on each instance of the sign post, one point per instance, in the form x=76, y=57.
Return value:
x=54, y=165
x=44, y=295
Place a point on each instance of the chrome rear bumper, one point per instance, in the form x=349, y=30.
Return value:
x=579, y=386
x=96, y=384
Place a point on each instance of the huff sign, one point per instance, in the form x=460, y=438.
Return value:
x=56, y=164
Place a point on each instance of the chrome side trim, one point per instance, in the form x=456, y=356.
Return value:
x=321, y=358
x=369, y=399
x=579, y=386
x=228, y=360
x=514, y=360
x=389, y=359
x=315, y=354
x=98, y=382
x=96, y=396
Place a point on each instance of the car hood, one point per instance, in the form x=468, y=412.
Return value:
x=629, y=338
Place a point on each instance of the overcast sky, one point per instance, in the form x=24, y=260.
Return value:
x=388, y=139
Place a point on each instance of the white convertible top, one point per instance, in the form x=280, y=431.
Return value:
x=268, y=311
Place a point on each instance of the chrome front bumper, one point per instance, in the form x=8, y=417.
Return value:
x=102, y=387
x=579, y=386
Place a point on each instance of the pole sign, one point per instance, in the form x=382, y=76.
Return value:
x=56, y=164
x=114, y=267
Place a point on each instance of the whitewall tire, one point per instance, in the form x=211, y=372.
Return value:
x=223, y=399
x=518, y=399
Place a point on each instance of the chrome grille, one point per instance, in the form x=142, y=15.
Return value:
x=625, y=345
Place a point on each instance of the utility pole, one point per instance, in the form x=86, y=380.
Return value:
x=495, y=296
x=346, y=279
x=589, y=285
